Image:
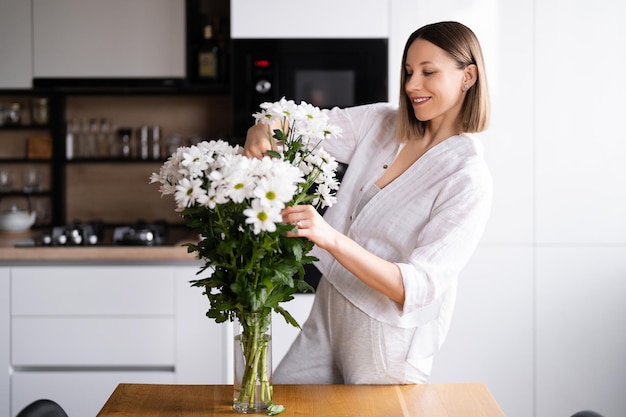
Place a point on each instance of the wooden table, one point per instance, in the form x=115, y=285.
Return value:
x=429, y=400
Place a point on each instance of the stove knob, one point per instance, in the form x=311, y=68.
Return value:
x=46, y=240
x=92, y=240
x=77, y=239
x=62, y=240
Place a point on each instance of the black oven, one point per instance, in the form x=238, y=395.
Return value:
x=322, y=72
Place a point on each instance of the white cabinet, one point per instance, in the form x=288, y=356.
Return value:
x=5, y=340
x=15, y=44
x=318, y=19
x=283, y=334
x=113, y=38
x=80, y=393
x=86, y=328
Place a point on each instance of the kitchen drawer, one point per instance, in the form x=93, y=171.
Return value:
x=92, y=290
x=79, y=393
x=92, y=342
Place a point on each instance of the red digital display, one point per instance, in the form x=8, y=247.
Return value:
x=262, y=63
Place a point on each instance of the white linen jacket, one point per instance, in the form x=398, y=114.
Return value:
x=428, y=220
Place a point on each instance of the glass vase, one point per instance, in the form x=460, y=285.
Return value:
x=253, y=388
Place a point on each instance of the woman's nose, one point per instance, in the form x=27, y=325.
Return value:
x=413, y=83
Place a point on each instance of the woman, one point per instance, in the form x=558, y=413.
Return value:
x=410, y=211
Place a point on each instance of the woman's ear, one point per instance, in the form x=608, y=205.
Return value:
x=470, y=75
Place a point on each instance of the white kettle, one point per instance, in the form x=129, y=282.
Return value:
x=15, y=220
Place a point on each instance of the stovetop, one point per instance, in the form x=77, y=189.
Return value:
x=97, y=234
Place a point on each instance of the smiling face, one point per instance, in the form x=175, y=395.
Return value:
x=434, y=84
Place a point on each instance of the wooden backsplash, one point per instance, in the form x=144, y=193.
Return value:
x=119, y=192
x=116, y=193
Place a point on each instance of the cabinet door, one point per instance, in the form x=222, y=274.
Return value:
x=15, y=45
x=283, y=333
x=319, y=19
x=201, y=356
x=5, y=342
x=113, y=38
x=79, y=393
x=93, y=316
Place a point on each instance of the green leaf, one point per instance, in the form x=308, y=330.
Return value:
x=275, y=409
x=273, y=154
x=287, y=316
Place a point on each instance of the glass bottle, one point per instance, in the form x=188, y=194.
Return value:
x=208, y=56
x=39, y=111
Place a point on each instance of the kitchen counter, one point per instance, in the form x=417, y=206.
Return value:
x=26, y=252
x=95, y=253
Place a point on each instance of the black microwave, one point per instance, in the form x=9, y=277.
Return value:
x=322, y=72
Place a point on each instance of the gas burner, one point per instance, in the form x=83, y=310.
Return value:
x=75, y=234
x=140, y=234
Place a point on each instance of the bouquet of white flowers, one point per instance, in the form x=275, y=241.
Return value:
x=235, y=204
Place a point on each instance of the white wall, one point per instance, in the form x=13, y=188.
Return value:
x=542, y=300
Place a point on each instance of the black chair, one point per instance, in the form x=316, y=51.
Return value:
x=587, y=414
x=42, y=408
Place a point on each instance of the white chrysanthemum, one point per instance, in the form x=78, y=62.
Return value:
x=262, y=217
x=239, y=185
x=188, y=191
x=325, y=194
x=169, y=174
x=273, y=192
x=214, y=172
x=279, y=110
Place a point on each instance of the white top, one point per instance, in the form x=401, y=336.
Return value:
x=428, y=220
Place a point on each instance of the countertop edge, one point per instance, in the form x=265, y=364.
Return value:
x=116, y=253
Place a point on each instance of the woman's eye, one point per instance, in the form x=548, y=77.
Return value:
x=428, y=73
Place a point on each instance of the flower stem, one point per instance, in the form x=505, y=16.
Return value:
x=255, y=390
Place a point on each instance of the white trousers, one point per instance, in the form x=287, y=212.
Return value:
x=340, y=344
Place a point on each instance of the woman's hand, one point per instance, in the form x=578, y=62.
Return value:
x=310, y=225
x=259, y=141
x=380, y=274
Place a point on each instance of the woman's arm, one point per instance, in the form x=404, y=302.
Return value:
x=379, y=274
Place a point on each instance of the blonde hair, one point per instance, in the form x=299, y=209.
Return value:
x=462, y=44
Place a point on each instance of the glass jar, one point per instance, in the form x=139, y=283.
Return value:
x=40, y=111
x=13, y=114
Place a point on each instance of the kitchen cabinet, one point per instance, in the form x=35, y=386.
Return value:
x=81, y=188
x=112, y=39
x=26, y=154
x=5, y=340
x=92, y=184
x=15, y=45
x=320, y=19
x=86, y=328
